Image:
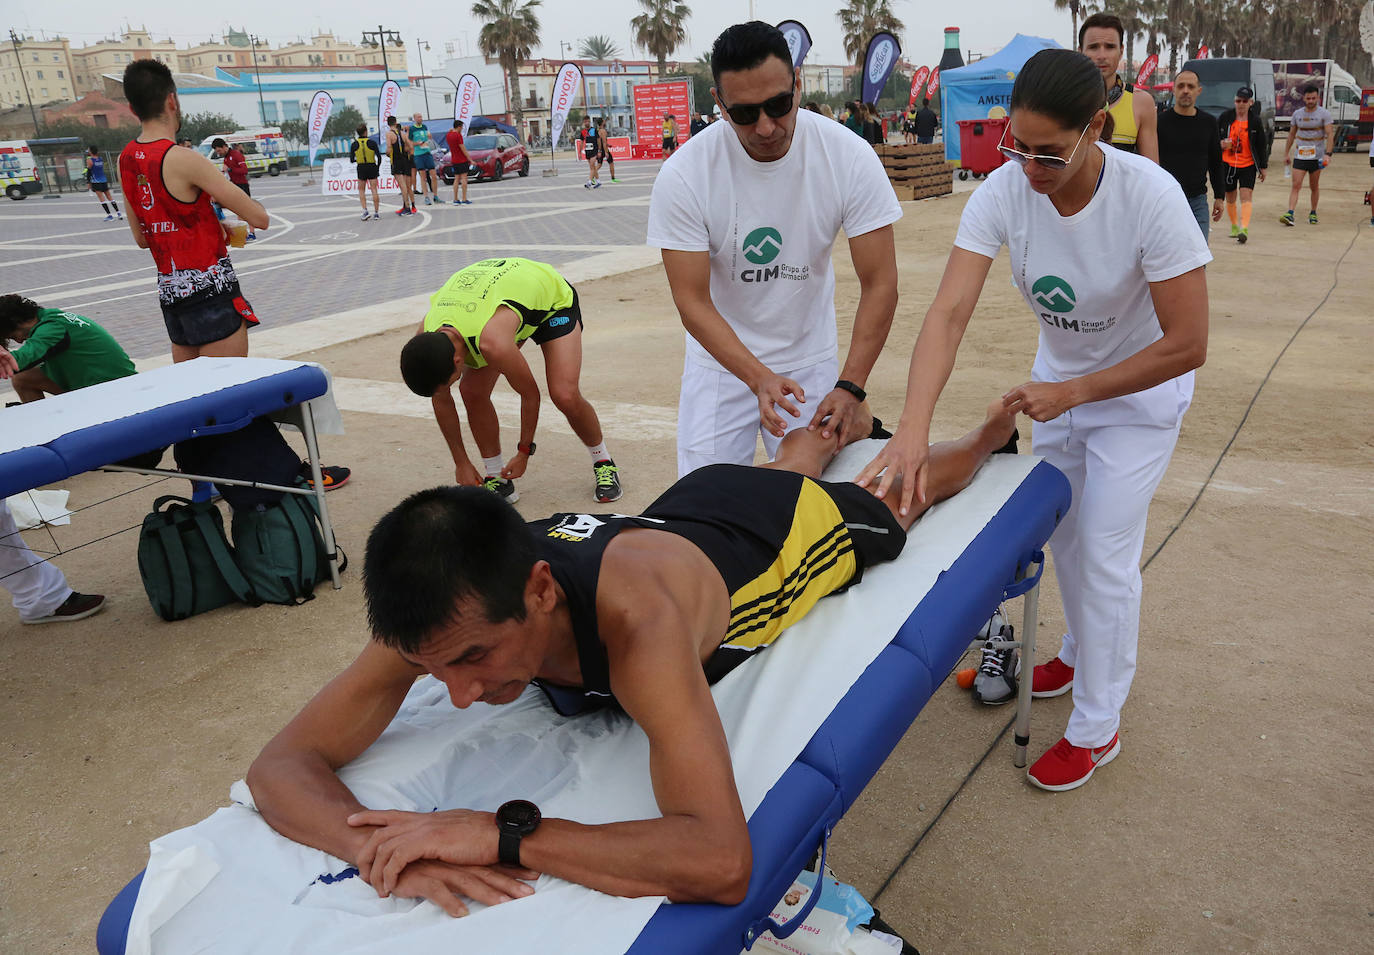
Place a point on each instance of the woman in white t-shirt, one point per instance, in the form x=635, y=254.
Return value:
x=1105, y=251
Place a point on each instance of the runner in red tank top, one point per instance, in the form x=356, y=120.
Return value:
x=169, y=189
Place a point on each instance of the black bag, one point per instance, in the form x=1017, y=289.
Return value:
x=281, y=549
x=255, y=453
x=185, y=560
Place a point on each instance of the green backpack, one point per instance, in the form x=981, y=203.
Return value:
x=185, y=560
x=280, y=549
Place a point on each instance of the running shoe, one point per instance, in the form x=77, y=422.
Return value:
x=366, y=216
x=119, y=216
x=109, y=218
x=334, y=476
x=503, y=488
x=467, y=202
x=1244, y=236
x=607, y=481
x=1066, y=766
x=996, y=680
x=1312, y=217
x=429, y=201
x=587, y=184
x=252, y=237
x=1051, y=679
x=76, y=607
x=1235, y=232
x=596, y=183
x=614, y=179
x=1287, y=217
x=457, y=202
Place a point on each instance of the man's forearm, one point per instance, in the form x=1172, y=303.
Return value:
x=710, y=329
x=446, y=414
x=872, y=323
x=303, y=799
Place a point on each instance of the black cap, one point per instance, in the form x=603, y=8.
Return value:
x=1245, y=92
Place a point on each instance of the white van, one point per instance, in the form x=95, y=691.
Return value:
x=264, y=149
x=18, y=171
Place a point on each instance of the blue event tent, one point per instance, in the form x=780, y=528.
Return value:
x=971, y=91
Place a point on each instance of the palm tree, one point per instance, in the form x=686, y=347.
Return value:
x=1075, y=7
x=510, y=30
x=860, y=19
x=598, y=47
x=661, y=28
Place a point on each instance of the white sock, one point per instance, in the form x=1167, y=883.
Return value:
x=599, y=453
x=493, y=466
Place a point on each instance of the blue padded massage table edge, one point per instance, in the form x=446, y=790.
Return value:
x=852, y=743
x=26, y=468
x=216, y=412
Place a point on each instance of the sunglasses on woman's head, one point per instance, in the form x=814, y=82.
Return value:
x=747, y=114
x=1049, y=162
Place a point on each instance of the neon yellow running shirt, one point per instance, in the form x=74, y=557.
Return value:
x=471, y=296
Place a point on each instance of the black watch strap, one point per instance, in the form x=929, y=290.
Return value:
x=845, y=385
x=508, y=848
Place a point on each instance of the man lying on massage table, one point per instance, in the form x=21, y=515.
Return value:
x=644, y=612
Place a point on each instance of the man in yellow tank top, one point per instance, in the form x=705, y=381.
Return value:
x=472, y=335
x=1134, y=117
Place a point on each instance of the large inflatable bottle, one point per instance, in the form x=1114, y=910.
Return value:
x=951, y=59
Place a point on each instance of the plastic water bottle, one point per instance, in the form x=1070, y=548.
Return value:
x=1287, y=171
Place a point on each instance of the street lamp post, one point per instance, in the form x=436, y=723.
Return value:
x=420, y=47
x=262, y=107
x=18, y=59
x=383, y=35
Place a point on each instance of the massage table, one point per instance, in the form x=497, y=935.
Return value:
x=99, y=426
x=809, y=721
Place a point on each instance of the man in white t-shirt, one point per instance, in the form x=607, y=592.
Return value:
x=746, y=213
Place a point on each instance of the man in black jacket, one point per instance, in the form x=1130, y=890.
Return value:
x=1190, y=150
x=1245, y=151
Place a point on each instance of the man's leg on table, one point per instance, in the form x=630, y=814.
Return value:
x=816, y=382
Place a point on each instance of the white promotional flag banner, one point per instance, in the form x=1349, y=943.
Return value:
x=388, y=101
x=320, y=108
x=465, y=101
x=565, y=87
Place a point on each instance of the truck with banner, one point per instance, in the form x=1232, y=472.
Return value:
x=1340, y=94
x=654, y=101
x=264, y=149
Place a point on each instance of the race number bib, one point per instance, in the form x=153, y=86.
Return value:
x=1307, y=150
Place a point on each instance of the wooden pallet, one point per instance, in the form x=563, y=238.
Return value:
x=907, y=192
x=915, y=149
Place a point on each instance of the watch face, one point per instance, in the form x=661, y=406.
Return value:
x=518, y=815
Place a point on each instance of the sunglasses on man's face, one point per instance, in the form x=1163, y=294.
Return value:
x=747, y=114
x=1049, y=162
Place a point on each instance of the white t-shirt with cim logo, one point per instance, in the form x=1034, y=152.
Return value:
x=769, y=228
x=1086, y=276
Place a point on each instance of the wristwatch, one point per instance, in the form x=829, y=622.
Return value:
x=526, y=449
x=515, y=820
x=849, y=386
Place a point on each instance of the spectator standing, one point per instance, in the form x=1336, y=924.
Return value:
x=749, y=264
x=1190, y=150
x=669, y=135
x=366, y=155
x=422, y=146
x=1132, y=110
x=1245, y=151
x=402, y=167
x=603, y=146
x=590, y=138
x=236, y=170
x=458, y=156
x=99, y=181
x=852, y=119
x=873, y=125
x=926, y=121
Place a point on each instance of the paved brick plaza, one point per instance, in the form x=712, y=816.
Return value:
x=318, y=258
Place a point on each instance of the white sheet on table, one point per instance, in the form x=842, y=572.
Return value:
x=39, y=422
x=260, y=891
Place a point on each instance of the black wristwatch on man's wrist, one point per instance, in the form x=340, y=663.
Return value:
x=514, y=821
x=846, y=385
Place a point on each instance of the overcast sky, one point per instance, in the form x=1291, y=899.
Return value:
x=986, y=24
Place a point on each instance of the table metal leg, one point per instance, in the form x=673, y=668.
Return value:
x=312, y=448
x=1030, y=623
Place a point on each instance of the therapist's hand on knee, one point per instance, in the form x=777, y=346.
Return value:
x=904, y=457
x=1041, y=400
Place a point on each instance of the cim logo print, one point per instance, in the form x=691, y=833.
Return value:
x=762, y=245
x=1054, y=293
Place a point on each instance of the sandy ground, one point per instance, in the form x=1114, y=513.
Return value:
x=1237, y=817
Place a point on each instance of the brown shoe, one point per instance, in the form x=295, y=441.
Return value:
x=76, y=607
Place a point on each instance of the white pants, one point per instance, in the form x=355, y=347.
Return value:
x=1113, y=470
x=38, y=588
x=718, y=416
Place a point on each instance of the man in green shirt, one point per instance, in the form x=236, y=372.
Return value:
x=472, y=335
x=59, y=351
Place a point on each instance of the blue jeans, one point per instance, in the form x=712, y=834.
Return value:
x=1202, y=211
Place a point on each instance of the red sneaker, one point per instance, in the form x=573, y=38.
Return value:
x=1066, y=766
x=1052, y=679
